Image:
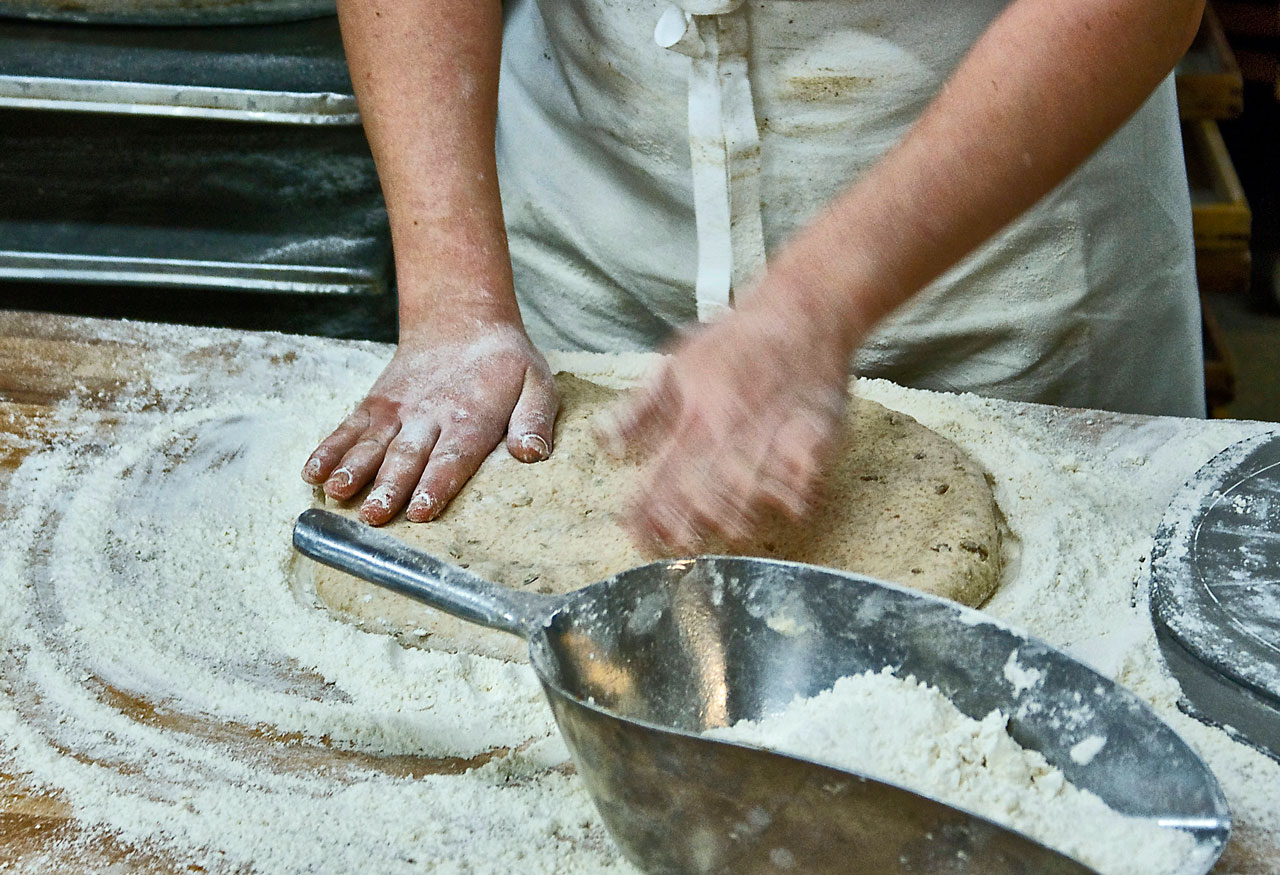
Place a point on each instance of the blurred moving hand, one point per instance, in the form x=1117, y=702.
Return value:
x=739, y=422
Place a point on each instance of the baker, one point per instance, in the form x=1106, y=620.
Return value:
x=984, y=195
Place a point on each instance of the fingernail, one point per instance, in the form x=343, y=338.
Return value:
x=422, y=508
x=535, y=442
x=311, y=470
x=377, y=502
x=340, y=479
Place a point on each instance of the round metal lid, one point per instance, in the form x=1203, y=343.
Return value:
x=1215, y=597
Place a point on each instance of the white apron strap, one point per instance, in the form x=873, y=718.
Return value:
x=724, y=146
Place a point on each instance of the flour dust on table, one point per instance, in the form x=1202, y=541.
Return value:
x=168, y=683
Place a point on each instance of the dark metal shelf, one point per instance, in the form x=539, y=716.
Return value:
x=152, y=12
x=343, y=263
x=187, y=203
x=287, y=73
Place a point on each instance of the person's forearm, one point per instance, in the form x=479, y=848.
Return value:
x=1039, y=92
x=426, y=78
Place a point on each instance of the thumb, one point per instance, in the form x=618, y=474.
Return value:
x=529, y=433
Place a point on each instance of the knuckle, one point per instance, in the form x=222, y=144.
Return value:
x=805, y=455
x=325, y=454
x=357, y=421
x=694, y=421
x=448, y=453
x=545, y=380
x=535, y=419
x=408, y=450
x=368, y=444
x=446, y=484
x=336, y=442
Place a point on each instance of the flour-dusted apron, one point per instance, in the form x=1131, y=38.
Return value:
x=651, y=153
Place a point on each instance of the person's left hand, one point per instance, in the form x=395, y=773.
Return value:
x=738, y=422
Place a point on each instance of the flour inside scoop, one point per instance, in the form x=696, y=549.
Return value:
x=901, y=503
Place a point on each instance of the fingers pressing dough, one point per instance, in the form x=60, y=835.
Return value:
x=899, y=503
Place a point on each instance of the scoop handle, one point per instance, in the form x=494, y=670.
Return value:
x=379, y=558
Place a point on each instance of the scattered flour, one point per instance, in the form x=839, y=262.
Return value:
x=1084, y=751
x=1081, y=576
x=1020, y=678
x=908, y=733
x=156, y=567
x=163, y=675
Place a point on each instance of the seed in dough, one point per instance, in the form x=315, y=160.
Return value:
x=901, y=503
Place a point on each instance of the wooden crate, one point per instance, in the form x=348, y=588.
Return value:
x=1253, y=26
x=1209, y=82
x=1219, y=209
x=1224, y=271
x=1255, y=19
x=1219, y=369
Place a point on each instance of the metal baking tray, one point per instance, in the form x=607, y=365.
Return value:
x=197, y=12
x=1215, y=597
x=190, y=203
x=291, y=73
x=209, y=258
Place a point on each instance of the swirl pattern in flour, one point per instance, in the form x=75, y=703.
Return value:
x=186, y=703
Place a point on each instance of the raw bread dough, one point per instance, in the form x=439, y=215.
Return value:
x=902, y=503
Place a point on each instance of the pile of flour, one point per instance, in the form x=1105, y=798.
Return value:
x=908, y=733
x=155, y=562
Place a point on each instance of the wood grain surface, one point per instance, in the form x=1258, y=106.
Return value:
x=54, y=363
x=44, y=360
x=50, y=362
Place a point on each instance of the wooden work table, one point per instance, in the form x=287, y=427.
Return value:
x=47, y=361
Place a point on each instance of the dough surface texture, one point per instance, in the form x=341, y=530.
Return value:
x=902, y=503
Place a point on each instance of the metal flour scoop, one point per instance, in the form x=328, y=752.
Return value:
x=635, y=667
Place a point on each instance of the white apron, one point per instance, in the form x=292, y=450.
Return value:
x=650, y=155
